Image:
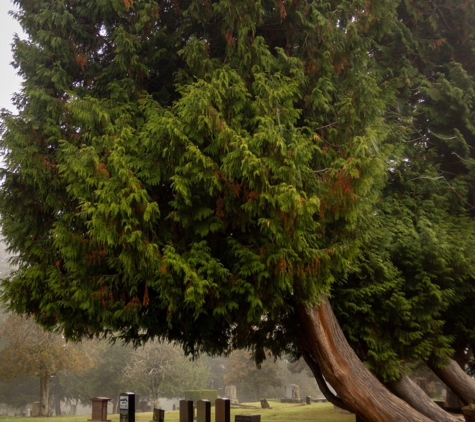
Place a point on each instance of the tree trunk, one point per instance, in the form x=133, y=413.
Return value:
x=462, y=358
x=44, y=395
x=415, y=396
x=323, y=339
x=457, y=380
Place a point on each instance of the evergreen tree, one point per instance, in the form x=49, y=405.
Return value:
x=411, y=294
x=183, y=164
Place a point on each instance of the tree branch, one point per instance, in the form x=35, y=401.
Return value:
x=322, y=384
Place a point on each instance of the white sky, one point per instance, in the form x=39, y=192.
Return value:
x=9, y=80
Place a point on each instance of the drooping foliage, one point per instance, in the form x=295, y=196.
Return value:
x=177, y=164
x=411, y=293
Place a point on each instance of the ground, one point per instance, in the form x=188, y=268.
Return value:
x=321, y=412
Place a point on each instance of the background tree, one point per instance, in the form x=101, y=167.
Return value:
x=30, y=351
x=252, y=382
x=19, y=392
x=160, y=370
x=104, y=377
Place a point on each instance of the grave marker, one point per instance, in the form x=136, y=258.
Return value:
x=99, y=409
x=35, y=408
x=265, y=404
x=158, y=415
x=203, y=411
x=230, y=393
x=127, y=407
x=223, y=410
x=186, y=411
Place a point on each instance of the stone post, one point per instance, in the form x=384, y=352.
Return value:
x=186, y=411
x=203, y=411
x=223, y=410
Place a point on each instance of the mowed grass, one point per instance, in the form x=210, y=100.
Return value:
x=280, y=412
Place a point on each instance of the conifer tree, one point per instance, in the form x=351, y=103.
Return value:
x=411, y=294
x=200, y=172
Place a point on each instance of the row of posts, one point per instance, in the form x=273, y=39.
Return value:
x=187, y=413
x=203, y=412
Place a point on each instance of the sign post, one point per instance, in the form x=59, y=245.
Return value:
x=127, y=407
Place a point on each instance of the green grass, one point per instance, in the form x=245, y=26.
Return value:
x=280, y=412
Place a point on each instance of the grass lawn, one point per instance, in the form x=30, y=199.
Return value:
x=280, y=412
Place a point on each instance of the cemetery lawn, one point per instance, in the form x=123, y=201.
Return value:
x=279, y=412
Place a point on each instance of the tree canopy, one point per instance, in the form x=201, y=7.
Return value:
x=231, y=165
x=173, y=173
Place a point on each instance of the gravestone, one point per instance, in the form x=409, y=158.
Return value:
x=127, y=407
x=158, y=415
x=223, y=410
x=230, y=393
x=186, y=411
x=247, y=418
x=203, y=411
x=292, y=391
x=99, y=409
x=264, y=404
x=291, y=394
x=35, y=408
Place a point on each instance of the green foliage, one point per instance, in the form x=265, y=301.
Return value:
x=190, y=164
x=410, y=295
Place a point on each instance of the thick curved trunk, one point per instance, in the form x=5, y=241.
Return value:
x=363, y=394
x=457, y=380
x=415, y=396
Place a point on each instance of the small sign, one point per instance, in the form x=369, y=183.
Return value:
x=124, y=402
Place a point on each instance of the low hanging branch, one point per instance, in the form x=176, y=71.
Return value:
x=412, y=394
x=457, y=380
x=322, y=384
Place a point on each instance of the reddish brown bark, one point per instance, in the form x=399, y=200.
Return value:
x=362, y=393
x=415, y=396
x=462, y=384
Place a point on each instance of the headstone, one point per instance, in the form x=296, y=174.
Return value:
x=35, y=408
x=247, y=418
x=99, y=409
x=203, y=411
x=292, y=391
x=72, y=410
x=186, y=411
x=308, y=400
x=222, y=410
x=127, y=407
x=230, y=393
x=264, y=404
x=158, y=415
